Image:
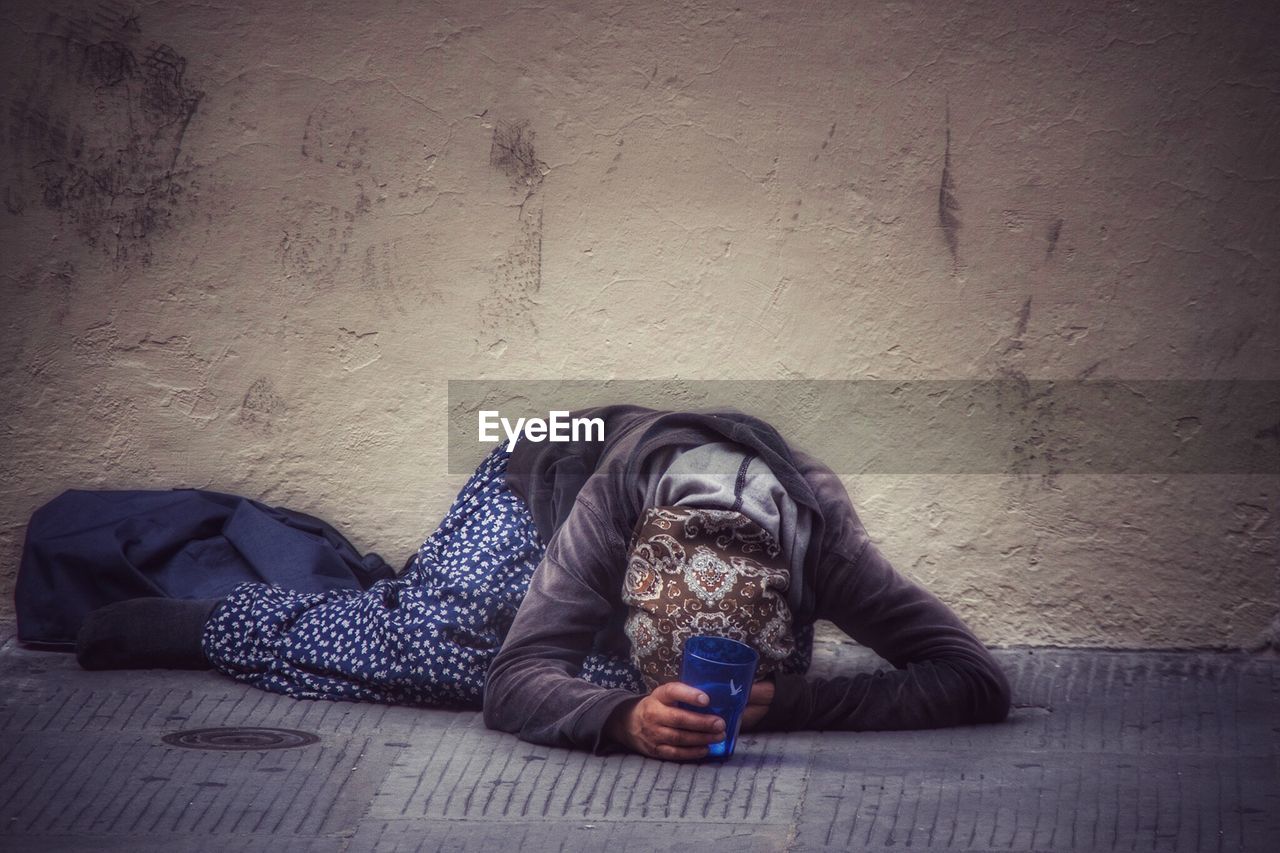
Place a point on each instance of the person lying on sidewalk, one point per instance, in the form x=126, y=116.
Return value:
x=685, y=523
x=546, y=597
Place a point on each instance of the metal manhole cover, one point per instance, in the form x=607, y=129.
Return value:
x=240, y=737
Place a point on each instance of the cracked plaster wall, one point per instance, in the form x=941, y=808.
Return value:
x=246, y=245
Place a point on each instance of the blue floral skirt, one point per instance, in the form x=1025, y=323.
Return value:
x=426, y=637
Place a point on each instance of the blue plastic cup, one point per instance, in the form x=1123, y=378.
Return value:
x=723, y=669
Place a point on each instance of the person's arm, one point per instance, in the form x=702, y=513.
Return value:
x=533, y=690
x=943, y=676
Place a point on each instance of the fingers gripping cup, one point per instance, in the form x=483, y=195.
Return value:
x=724, y=670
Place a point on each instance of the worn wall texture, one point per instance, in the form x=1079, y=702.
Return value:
x=245, y=245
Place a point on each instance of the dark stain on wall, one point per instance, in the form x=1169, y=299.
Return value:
x=379, y=276
x=511, y=152
x=1024, y=319
x=97, y=131
x=261, y=405
x=313, y=245
x=947, y=202
x=1055, y=231
x=1035, y=412
x=328, y=137
x=1089, y=371
x=510, y=308
x=826, y=142
x=1015, y=342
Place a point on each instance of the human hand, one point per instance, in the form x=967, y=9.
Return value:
x=656, y=727
x=757, y=704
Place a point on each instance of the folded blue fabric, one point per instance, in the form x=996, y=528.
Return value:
x=87, y=549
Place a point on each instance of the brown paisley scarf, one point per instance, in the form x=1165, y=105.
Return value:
x=704, y=571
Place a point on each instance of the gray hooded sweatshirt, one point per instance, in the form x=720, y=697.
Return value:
x=585, y=498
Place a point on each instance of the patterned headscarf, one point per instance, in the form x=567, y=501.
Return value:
x=704, y=571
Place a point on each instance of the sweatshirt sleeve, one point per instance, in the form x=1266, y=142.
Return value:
x=943, y=675
x=532, y=689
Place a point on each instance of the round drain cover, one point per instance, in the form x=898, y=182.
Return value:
x=240, y=737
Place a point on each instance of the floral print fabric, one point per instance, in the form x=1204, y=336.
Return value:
x=425, y=637
x=701, y=571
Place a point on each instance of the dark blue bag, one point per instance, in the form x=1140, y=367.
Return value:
x=86, y=549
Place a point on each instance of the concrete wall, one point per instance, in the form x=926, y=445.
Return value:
x=245, y=245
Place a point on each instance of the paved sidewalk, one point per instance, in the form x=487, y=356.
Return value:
x=1104, y=751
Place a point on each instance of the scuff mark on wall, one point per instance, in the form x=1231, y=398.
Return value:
x=97, y=132
x=947, y=202
x=1034, y=412
x=381, y=275
x=830, y=133
x=261, y=406
x=388, y=162
x=329, y=137
x=314, y=244
x=385, y=166
x=511, y=152
x=1054, y=232
x=1009, y=347
x=377, y=276
x=507, y=310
